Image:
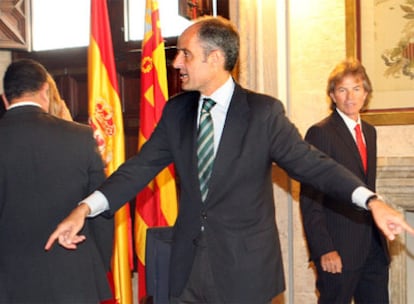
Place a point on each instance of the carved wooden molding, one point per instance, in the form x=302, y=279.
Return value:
x=15, y=24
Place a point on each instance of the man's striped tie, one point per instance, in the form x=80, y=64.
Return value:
x=205, y=149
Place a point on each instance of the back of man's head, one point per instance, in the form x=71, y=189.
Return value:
x=23, y=77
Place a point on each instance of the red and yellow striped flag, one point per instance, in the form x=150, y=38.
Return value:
x=105, y=117
x=157, y=203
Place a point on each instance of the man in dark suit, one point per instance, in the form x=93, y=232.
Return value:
x=226, y=246
x=348, y=250
x=46, y=166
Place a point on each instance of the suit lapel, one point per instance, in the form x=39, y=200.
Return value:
x=232, y=139
x=188, y=141
x=348, y=139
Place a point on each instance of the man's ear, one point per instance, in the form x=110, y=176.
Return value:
x=44, y=94
x=217, y=57
x=332, y=97
x=5, y=101
x=45, y=88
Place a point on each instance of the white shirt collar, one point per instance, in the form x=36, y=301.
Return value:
x=223, y=94
x=350, y=123
x=23, y=103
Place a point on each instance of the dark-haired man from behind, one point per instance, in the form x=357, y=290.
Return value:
x=46, y=165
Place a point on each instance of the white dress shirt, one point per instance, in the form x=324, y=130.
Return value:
x=222, y=97
x=350, y=124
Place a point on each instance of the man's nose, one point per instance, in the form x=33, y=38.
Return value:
x=177, y=61
x=349, y=94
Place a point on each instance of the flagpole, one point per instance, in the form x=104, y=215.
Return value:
x=156, y=204
x=214, y=7
x=105, y=118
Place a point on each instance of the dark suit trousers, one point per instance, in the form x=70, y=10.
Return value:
x=368, y=285
x=200, y=287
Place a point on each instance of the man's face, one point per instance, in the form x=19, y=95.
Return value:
x=197, y=70
x=349, y=96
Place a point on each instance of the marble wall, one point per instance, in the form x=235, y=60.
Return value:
x=308, y=39
x=317, y=43
x=397, y=144
x=5, y=59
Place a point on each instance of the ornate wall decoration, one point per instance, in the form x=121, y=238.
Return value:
x=400, y=58
x=15, y=24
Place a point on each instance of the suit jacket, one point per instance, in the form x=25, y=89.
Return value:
x=47, y=165
x=238, y=215
x=329, y=222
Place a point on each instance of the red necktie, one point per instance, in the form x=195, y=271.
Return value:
x=361, y=146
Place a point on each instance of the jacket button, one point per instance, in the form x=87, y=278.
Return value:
x=203, y=215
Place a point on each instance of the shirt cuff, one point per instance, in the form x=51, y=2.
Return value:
x=97, y=203
x=360, y=196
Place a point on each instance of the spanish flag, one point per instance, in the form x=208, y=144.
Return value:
x=156, y=205
x=105, y=117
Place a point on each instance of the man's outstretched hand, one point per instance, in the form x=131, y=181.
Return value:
x=67, y=231
x=388, y=220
